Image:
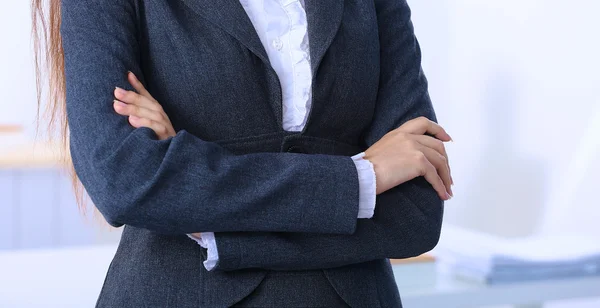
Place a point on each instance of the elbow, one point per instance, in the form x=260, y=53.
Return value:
x=115, y=206
x=115, y=214
x=427, y=233
x=126, y=197
x=431, y=234
x=433, y=228
x=419, y=239
x=113, y=197
x=118, y=179
x=427, y=229
x=419, y=234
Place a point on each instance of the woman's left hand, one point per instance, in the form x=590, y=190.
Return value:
x=143, y=110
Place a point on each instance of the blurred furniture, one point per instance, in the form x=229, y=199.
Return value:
x=425, y=258
x=10, y=128
x=451, y=292
x=72, y=277
x=421, y=270
x=37, y=204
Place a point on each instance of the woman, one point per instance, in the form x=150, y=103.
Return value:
x=294, y=141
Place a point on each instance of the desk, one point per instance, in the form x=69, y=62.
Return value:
x=72, y=277
x=450, y=292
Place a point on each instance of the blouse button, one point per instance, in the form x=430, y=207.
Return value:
x=277, y=44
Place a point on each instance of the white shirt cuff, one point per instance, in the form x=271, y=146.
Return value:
x=207, y=240
x=367, y=186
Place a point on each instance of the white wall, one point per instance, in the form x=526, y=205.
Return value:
x=515, y=83
x=17, y=83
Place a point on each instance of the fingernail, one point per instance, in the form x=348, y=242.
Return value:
x=134, y=117
x=120, y=92
x=120, y=103
x=448, y=196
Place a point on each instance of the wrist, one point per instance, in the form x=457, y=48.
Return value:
x=377, y=170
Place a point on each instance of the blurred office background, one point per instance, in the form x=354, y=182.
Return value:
x=515, y=82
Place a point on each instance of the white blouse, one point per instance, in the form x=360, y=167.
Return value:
x=282, y=28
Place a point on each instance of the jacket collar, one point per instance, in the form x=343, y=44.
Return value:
x=324, y=18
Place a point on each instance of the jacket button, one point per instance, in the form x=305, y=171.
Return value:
x=295, y=149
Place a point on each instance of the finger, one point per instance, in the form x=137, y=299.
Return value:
x=437, y=145
x=160, y=130
x=433, y=143
x=430, y=173
x=131, y=97
x=140, y=112
x=137, y=85
x=422, y=125
x=197, y=235
x=441, y=165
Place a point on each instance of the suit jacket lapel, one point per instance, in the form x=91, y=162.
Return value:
x=230, y=16
x=324, y=18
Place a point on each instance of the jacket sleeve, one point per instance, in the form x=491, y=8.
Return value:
x=182, y=184
x=407, y=219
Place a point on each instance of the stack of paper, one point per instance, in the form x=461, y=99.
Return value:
x=493, y=259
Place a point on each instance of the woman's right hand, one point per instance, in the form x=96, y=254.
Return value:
x=407, y=152
x=142, y=109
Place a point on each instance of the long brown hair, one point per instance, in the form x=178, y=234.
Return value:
x=50, y=70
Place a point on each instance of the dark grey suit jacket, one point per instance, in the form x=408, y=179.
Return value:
x=277, y=200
